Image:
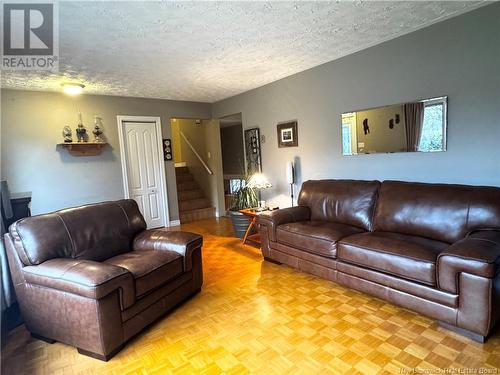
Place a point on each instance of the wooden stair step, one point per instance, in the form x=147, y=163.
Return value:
x=194, y=215
x=181, y=170
x=193, y=204
x=187, y=185
x=189, y=194
x=184, y=177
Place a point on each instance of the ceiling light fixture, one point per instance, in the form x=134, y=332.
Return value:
x=73, y=88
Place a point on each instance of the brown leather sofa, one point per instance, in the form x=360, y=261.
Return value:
x=432, y=248
x=93, y=277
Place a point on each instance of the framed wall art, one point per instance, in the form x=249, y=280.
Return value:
x=252, y=151
x=287, y=134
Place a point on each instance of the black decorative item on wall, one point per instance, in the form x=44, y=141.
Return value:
x=397, y=118
x=252, y=151
x=167, y=149
x=391, y=123
x=287, y=134
x=366, y=127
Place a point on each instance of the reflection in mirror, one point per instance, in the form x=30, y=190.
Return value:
x=409, y=127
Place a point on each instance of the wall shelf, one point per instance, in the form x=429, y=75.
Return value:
x=84, y=148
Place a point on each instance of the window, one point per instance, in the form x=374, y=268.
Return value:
x=433, y=134
x=236, y=184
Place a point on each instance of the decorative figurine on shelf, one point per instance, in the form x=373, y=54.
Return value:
x=68, y=138
x=81, y=132
x=98, y=133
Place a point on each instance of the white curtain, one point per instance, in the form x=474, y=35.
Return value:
x=414, y=119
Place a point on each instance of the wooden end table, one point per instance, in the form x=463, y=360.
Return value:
x=252, y=213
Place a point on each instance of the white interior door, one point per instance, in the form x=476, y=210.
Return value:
x=144, y=175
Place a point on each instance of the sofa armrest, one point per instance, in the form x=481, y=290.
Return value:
x=183, y=243
x=83, y=277
x=272, y=219
x=477, y=254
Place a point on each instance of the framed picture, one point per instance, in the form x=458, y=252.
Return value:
x=287, y=134
x=167, y=149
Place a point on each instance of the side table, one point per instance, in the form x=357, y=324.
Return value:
x=252, y=213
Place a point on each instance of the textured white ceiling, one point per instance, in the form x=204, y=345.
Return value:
x=207, y=51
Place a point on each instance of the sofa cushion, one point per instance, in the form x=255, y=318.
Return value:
x=409, y=257
x=317, y=237
x=150, y=268
x=341, y=201
x=437, y=211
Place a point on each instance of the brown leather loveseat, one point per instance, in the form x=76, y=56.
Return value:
x=432, y=248
x=93, y=277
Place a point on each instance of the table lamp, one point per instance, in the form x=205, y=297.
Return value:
x=258, y=182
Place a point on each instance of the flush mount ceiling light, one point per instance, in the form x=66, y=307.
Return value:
x=73, y=88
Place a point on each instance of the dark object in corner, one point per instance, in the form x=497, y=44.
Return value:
x=391, y=123
x=14, y=207
x=11, y=318
x=366, y=127
x=397, y=118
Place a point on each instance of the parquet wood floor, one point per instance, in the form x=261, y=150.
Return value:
x=261, y=318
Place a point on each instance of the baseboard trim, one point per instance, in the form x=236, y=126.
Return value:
x=43, y=338
x=464, y=332
x=270, y=260
x=175, y=223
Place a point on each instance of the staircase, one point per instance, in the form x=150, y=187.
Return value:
x=192, y=202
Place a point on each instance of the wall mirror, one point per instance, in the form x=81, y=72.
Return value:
x=408, y=127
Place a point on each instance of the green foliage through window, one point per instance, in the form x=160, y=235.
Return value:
x=432, y=137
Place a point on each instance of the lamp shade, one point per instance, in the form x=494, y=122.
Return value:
x=258, y=181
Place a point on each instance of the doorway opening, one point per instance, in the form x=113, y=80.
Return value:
x=233, y=156
x=198, y=168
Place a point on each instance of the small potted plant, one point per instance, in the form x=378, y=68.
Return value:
x=244, y=197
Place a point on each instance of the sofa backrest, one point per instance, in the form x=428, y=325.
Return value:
x=93, y=232
x=484, y=208
x=349, y=202
x=441, y=212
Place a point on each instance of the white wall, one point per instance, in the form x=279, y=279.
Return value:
x=32, y=123
x=459, y=58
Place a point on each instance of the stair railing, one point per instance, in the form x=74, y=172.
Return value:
x=196, y=153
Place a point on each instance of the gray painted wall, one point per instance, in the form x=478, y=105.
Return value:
x=31, y=127
x=459, y=58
